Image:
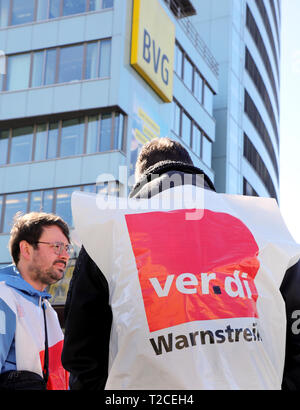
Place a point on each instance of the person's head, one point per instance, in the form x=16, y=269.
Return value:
x=157, y=150
x=39, y=244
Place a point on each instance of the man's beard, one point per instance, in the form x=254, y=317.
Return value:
x=50, y=275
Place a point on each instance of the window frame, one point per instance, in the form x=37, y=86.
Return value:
x=4, y=206
x=58, y=49
x=8, y=141
x=32, y=68
x=209, y=109
x=11, y=145
x=179, y=49
x=201, y=99
x=61, y=15
x=203, y=137
x=59, y=62
x=10, y=15
x=187, y=60
x=195, y=71
x=55, y=190
x=59, y=121
x=5, y=80
x=194, y=123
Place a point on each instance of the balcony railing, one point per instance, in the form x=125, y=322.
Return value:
x=179, y=9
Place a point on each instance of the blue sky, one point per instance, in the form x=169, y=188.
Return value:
x=290, y=116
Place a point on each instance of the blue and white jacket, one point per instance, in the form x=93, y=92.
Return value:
x=22, y=329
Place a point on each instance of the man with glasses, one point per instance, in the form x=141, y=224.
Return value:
x=31, y=339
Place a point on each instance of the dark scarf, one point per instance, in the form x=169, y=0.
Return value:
x=155, y=173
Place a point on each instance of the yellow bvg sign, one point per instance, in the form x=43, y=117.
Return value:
x=152, y=48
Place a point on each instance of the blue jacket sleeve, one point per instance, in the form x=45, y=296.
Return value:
x=7, y=331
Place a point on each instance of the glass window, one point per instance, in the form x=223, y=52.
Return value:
x=40, y=142
x=105, y=49
x=89, y=188
x=176, y=118
x=198, y=86
x=54, y=10
x=72, y=137
x=95, y=5
x=186, y=129
x=42, y=10
x=36, y=201
x=92, y=59
x=70, y=64
x=118, y=131
x=100, y=4
x=18, y=70
x=107, y=4
x=73, y=7
x=1, y=204
x=248, y=189
x=108, y=188
x=48, y=197
x=196, y=140
x=14, y=203
x=63, y=204
x=50, y=72
x=22, y=11
x=37, y=69
x=4, y=12
x=21, y=145
x=41, y=201
x=206, y=151
x=92, y=134
x=178, y=61
x=105, y=132
x=188, y=74
x=2, y=70
x=52, y=140
x=102, y=188
x=208, y=99
x=3, y=146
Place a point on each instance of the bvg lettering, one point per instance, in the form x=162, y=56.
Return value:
x=188, y=283
x=154, y=53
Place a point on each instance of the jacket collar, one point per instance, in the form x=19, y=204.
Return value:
x=12, y=277
x=164, y=167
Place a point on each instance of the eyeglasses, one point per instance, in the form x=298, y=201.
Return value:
x=59, y=247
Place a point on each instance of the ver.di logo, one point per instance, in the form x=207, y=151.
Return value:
x=194, y=270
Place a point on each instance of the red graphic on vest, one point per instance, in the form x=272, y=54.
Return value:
x=194, y=269
x=58, y=376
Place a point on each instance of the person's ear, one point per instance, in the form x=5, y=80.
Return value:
x=25, y=250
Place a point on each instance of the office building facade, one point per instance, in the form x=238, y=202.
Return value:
x=244, y=36
x=86, y=83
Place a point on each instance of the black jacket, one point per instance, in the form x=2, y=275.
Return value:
x=290, y=290
x=88, y=316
